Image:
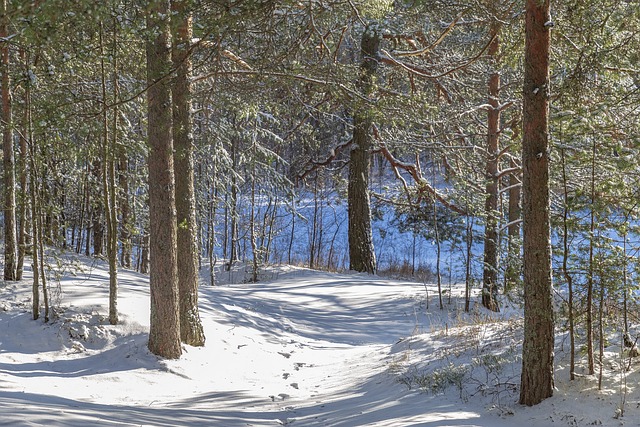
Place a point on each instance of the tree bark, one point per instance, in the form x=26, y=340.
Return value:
x=490, y=270
x=361, y=252
x=538, y=345
x=164, y=331
x=8, y=160
x=191, y=331
x=109, y=142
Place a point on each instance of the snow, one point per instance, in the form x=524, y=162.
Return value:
x=302, y=348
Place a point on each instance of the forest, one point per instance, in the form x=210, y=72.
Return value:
x=488, y=144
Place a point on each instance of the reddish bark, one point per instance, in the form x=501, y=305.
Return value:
x=538, y=345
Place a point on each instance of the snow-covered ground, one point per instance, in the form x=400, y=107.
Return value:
x=301, y=348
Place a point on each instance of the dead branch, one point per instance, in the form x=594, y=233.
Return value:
x=313, y=165
x=413, y=170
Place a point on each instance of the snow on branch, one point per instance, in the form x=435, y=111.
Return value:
x=509, y=224
x=499, y=107
x=507, y=171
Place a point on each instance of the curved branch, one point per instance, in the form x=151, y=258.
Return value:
x=415, y=173
x=313, y=165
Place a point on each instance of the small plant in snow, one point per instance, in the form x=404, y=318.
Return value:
x=438, y=380
x=493, y=364
x=496, y=380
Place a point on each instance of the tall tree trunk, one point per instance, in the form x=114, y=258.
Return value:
x=35, y=266
x=538, y=344
x=361, y=252
x=108, y=180
x=164, y=331
x=225, y=236
x=191, y=331
x=490, y=268
x=469, y=255
x=8, y=160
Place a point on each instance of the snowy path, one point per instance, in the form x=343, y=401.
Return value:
x=307, y=349
x=304, y=349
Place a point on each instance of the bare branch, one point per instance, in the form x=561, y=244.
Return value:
x=313, y=165
x=414, y=171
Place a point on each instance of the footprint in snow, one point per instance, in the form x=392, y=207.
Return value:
x=299, y=365
x=282, y=396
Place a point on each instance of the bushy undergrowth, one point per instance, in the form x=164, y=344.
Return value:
x=478, y=356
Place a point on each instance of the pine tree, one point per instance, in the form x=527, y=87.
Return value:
x=538, y=344
x=191, y=331
x=8, y=159
x=361, y=253
x=164, y=332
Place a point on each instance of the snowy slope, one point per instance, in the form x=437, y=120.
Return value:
x=306, y=348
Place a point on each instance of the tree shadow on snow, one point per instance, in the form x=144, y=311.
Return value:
x=28, y=409
x=325, y=310
x=128, y=353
